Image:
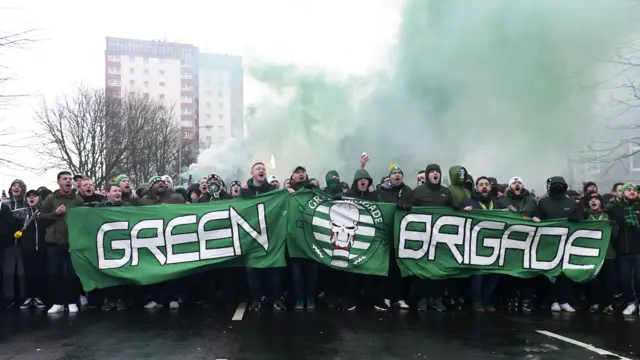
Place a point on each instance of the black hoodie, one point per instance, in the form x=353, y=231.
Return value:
x=557, y=204
x=253, y=190
x=430, y=194
x=33, y=236
x=353, y=192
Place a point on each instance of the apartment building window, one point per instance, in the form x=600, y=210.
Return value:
x=132, y=83
x=161, y=71
x=208, y=139
x=112, y=57
x=220, y=117
x=208, y=116
x=634, y=157
x=161, y=96
x=187, y=135
x=186, y=99
x=146, y=84
x=114, y=70
x=208, y=105
x=186, y=123
x=146, y=71
x=131, y=93
x=113, y=82
x=220, y=94
x=132, y=58
x=132, y=70
x=145, y=60
x=161, y=83
x=183, y=63
x=220, y=105
x=208, y=93
x=187, y=87
x=186, y=111
x=186, y=76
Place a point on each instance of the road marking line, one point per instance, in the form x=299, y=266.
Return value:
x=237, y=316
x=582, y=345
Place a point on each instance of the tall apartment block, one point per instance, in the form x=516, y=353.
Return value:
x=205, y=90
x=220, y=99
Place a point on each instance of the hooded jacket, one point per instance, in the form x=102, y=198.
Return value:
x=429, y=194
x=353, y=192
x=459, y=193
x=57, y=232
x=558, y=205
x=525, y=203
x=169, y=197
x=7, y=225
x=332, y=179
x=18, y=206
x=253, y=189
x=206, y=197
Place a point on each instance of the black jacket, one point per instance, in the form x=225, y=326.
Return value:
x=432, y=195
x=93, y=200
x=396, y=195
x=558, y=207
x=206, y=197
x=253, y=190
x=525, y=203
x=7, y=226
x=627, y=240
x=33, y=236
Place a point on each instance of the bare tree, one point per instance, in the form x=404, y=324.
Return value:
x=11, y=139
x=100, y=135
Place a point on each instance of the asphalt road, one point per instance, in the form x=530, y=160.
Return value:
x=323, y=334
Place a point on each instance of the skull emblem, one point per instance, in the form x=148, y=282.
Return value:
x=344, y=223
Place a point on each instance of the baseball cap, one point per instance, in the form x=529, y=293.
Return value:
x=299, y=167
x=272, y=178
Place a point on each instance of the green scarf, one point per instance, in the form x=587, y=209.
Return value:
x=630, y=215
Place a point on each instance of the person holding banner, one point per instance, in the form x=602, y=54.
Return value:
x=482, y=286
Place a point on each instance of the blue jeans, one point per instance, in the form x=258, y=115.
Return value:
x=482, y=287
x=305, y=278
x=629, y=271
x=64, y=287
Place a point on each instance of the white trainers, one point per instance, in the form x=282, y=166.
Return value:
x=555, y=307
x=84, y=301
x=56, y=309
x=73, y=308
x=152, y=305
x=567, y=308
x=630, y=309
x=402, y=305
x=388, y=302
x=174, y=305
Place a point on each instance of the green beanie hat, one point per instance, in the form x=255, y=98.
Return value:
x=154, y=179
x=626, y=186
x=119, y=178
x=394, y=167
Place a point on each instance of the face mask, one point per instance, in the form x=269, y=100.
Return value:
x=462, y=174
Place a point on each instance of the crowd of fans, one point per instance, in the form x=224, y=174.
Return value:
x=37, y=270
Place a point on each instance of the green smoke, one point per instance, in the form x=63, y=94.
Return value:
x=503, y=87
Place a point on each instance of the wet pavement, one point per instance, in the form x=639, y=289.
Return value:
x=323, y=334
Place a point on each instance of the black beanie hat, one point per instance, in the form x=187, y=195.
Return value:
x=431, y=167
x=587, y=184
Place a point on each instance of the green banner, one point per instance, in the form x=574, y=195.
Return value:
x=347, y=234
x=150, y=244
x=438, y=243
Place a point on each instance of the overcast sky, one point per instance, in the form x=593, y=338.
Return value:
x=343, y=36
